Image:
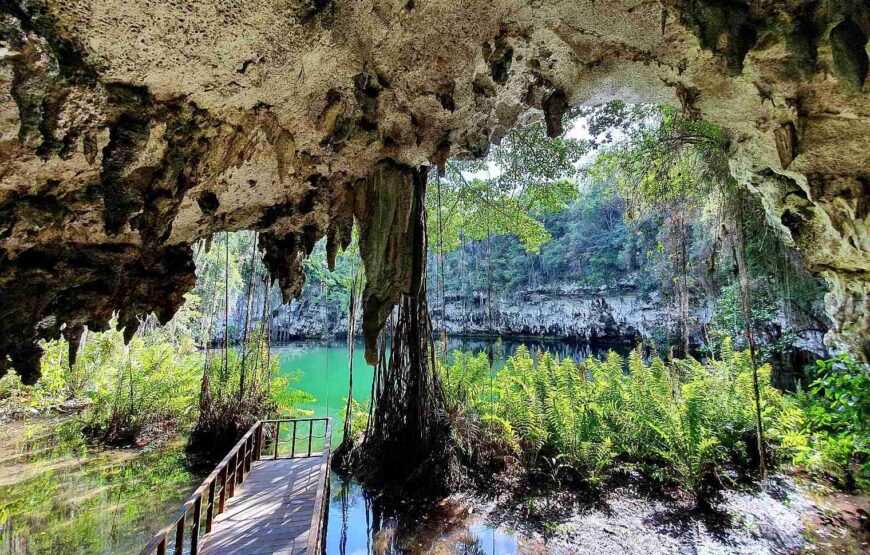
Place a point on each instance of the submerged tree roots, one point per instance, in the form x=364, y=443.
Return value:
x=408, y=442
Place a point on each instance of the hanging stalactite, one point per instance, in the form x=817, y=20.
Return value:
x=408, y=441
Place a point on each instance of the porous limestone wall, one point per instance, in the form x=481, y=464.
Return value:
x=131, y=128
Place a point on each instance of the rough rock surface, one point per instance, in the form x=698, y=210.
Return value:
x=130, y=128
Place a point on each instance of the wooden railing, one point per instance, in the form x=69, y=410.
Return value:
x=221, y=484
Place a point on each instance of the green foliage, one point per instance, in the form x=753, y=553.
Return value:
x=728, y=322
x=221, y=262
x=359, y=416
x=681, y=420
x=667, y=160
x=147, y=385
x=11, y=386
x=526, y=177
x=241, y=386
x=832, y=437
x=331, y=287
x=152, y=385
x=286, y=398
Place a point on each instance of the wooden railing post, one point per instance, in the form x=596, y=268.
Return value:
x=310, y=435
x=249, y=453
x=277, y=436
x=259, y=448
x=240, y=464
x=161, y=547
x=232, y=482
x=179, y=536
x=209, y=512
x=223, y=498
x=194, y=529
x=293, y=442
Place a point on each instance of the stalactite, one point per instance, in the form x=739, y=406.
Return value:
x=408, y=442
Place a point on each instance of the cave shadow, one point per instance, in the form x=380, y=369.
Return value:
x=682, y=521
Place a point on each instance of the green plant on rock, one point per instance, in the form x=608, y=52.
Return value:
x=831, y=437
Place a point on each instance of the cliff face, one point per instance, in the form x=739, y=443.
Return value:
x=565, y=311
x=131, y=128
x=589, y=315
x=568, y=312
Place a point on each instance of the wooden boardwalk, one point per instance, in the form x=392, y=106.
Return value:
x=258, y=500
x=275, y=511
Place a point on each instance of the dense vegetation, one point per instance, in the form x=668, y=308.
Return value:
x=682, y=422
x=168, y=378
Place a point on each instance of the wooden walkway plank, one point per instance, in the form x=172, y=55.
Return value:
x=272, y=512
x=279, y=507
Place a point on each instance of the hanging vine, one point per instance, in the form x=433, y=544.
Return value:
x=408, y=442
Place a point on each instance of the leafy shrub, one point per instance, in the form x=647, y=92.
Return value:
x=832, y=439
x=359, y=416
x=11, y=386
x=682, y=420
x=154, y=386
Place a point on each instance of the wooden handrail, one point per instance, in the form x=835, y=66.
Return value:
x=226, y=476
x=316, y=533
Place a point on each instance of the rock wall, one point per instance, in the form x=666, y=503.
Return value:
x=131, y=128
x=559, y=310
x=568, y=312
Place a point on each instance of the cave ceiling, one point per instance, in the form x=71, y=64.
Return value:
x=129, y=129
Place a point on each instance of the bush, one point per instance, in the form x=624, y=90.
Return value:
x=11, y=386
x=682, y=420
x=831, y=439
x=359, y=417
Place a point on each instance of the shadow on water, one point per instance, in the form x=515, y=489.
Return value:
x=360, y=523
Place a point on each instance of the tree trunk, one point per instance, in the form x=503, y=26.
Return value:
x=248, y=306
x=739, y=250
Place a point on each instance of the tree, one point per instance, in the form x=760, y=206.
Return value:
x=675, y=163
x=520, y=181
x=668, y=164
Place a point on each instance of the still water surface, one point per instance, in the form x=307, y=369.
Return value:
x=59, y=494
x=321, y=368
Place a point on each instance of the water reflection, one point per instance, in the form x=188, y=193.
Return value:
x=58, y=494
x=362, y=524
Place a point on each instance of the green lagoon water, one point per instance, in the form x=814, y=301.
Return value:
x=321, y=368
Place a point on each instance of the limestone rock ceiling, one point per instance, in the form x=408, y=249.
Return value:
x=131, y=128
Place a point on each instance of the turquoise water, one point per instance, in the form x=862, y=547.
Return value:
x=322, y=367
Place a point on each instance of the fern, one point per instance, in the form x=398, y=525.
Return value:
x=682, y=419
